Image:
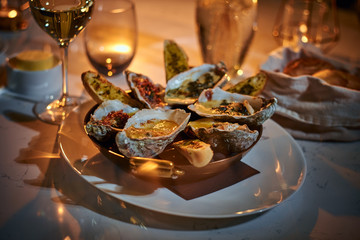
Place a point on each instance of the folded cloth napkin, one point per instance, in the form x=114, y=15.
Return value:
x=308, y=107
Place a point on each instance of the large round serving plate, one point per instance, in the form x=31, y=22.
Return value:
x=277, y=156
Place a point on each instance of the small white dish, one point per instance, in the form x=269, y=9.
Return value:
x=34, y=85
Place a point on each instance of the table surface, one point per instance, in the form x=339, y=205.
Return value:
x=43, y=198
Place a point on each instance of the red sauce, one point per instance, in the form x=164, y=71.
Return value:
x=208, y=95
x=148, y=90
x=115, y=119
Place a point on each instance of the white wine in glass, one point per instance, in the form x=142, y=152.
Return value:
x=63, y=20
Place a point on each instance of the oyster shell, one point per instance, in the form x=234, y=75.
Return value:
x=108, y=117
x=224, y=137
x=219, y=104
x=145, y=90
x=184, y=88
x=149, y=131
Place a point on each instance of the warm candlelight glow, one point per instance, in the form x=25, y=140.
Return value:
x=12, y=14
x=121, y=48
x=60, y=210
x=303, y=28
x=304, y=39
x=148, y=167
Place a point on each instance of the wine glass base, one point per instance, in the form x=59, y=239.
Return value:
x=56, y=111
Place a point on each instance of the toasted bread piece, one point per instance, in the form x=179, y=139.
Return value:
x=251, y=86
x=175, y=59
x=198, y=153
x=306, y=66
x=100, y=89
x=339, y=78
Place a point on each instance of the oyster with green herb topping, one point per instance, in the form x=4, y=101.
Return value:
x=185, y=88
x=219, y=104
x=224, y=137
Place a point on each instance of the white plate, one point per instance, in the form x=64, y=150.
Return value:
x=277, y=156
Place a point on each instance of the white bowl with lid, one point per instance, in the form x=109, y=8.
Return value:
x=34, y=75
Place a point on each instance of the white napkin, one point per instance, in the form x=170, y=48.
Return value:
x=308, y=107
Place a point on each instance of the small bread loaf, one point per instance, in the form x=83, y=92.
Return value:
x=306, y=66
x=339, y=78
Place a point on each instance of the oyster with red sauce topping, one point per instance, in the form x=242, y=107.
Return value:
x=145, y=90
x=108, y=118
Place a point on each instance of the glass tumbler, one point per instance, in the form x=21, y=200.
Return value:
x=225, y=31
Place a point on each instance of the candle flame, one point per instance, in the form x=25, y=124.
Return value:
x=12, y=14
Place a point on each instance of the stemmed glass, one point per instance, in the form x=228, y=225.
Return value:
x=307, y=23
x=63, y=20
x=111, y=37
x=225, y=31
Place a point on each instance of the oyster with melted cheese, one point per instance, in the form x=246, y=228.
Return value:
x=149, y=131
x=108, y=118
x=184, y=88
x=244, y=109
x=223, y=137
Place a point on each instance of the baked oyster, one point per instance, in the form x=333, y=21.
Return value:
x=108, y=118
x=244, y=109
x=149, y=131
x=224, y=137
x=184, y=88
x=147, y=92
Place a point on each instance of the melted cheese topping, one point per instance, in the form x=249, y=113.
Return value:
x=152, y=128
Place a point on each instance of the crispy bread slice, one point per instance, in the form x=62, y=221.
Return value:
x=100, y=89
x=175, y=59
x=251, y=86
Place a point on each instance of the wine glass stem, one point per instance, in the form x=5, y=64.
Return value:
x=64, y=58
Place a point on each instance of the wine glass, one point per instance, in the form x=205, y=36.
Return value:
x=307, y=23
x=225, y=31
x=111, y=37
x=63, y=20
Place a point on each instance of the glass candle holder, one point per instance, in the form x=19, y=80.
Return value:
x=301, y=23
x=111, y=37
